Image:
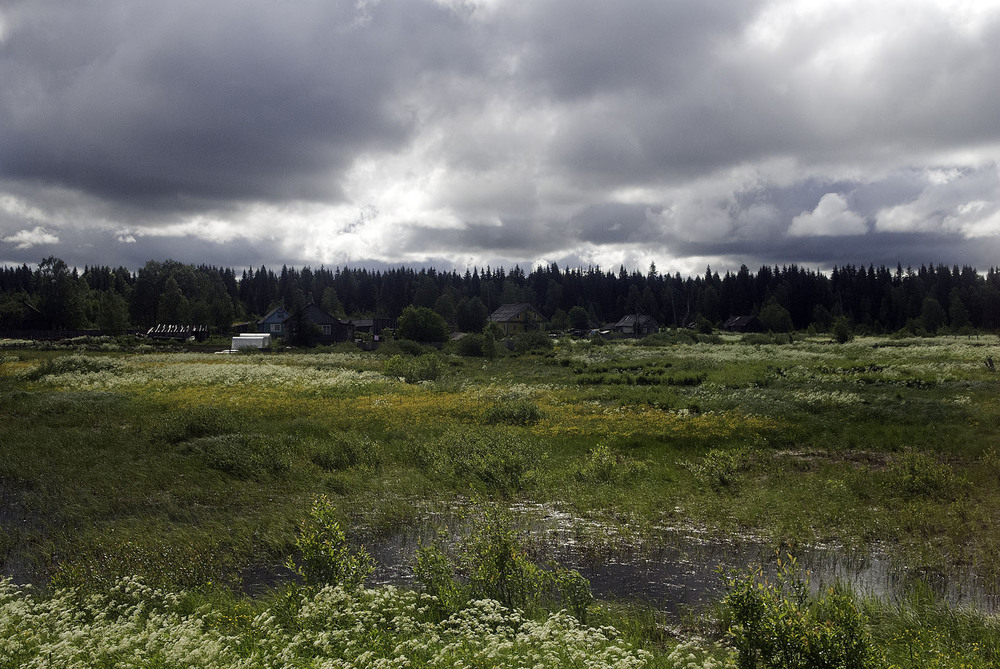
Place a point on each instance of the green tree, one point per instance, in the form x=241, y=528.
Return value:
x=957, y=313
x=422, y=324
x=112, y=314
x=471, y=315
x=932, y=315
x=445, y=305
x=330, y=303
x=775, y=318
x=578, y=318
x=61, y=301
x=173, y=306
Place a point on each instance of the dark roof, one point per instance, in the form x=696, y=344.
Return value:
x=509, y=312
x=739, y=321
x=631, y=319
x=272, y=315
x=316, y=315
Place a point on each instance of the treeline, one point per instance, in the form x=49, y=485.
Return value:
x=876, y=299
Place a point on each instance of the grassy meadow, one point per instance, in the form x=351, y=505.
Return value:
x=169, y=488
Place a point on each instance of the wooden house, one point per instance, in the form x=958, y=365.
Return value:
x=638, y=325
x=515, y=318
x=274, y=322
x=311, y=325
x=743, y=324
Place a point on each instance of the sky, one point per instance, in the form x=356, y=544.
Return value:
x=465, y=133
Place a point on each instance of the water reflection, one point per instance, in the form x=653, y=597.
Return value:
x=681, y=571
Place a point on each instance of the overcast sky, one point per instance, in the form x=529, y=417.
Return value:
x=453, y=133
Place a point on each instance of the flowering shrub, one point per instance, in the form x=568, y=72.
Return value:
x=134, y=625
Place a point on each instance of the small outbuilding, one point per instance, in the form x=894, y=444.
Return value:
x=256, y=340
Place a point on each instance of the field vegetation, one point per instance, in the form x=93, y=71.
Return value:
x=176, y=509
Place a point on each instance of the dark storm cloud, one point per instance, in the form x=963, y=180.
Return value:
x=781, y=130
x=181, y=102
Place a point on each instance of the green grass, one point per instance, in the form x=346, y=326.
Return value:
x=185, y=468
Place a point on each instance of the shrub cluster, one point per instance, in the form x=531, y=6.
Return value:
x=602, y=465
x=493, y=563
x=512, y=410
x=776, y=623
x=414, y=370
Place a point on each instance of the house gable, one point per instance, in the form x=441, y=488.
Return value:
x=514, y=318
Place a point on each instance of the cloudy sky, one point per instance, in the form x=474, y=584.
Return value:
x=457, y=133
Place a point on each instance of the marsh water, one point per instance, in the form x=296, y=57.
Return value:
x=682, y=570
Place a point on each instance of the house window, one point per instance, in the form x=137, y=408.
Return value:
x=326, y=330
x=275, y=327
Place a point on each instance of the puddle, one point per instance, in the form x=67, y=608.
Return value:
x=682, y=572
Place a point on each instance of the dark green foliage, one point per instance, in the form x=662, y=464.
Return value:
x=247, y=457
x=919, y=475
x=324, y=557
x=493, y=562
x=534, y=340
x=345, y=450
x=471, y=346
x=200, y=421
x=512, y=410
x=414, y=370
x=602, y=465
x=842, y=332
x=499, y=457
x=72, y=364
x=723, y=467
x=410, y=347
x=775, y=623
x=422, y=324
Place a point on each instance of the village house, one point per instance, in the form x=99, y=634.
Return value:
x=515, y=318
x=638, y=325
x=743, y=324
x=325, y=329
x=274, y=322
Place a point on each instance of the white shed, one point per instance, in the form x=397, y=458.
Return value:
x=251, y=340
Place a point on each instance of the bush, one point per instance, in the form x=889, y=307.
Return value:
x=410, y=347
x=492, y=562
x=512, y=411
x=324, y=556
x=525, y=342
x=243, y=456
x=775, y=623
x=414, y=370
x=423, y=325
x=919, y=475
x=72, y=364
x=471, y=346
x=603, y=466
x=723, y=467
x=842, y=331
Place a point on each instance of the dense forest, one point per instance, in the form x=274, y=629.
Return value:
x=875, y=299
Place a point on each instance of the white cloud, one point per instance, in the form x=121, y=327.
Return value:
x=832, y=217
x=25, y=239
